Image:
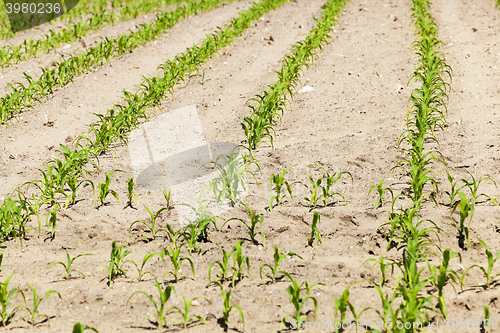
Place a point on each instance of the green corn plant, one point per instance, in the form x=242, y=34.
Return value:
x=463, y=231
x=313, y=191
x=103, y=188
x=186, y=318
x=486, y=319
x=231, y=181
x=51, y=220
x=74, y=185
x=67, y=265
x=176, y=260
x=5, y=297
x=228, y=307
x=140, y=270
x=253, y=226
x=383, y=269
x=473, y=187
x=80, y=328
x=161, y=311
x=279, y=180
x=454, y=189
x=381, y=191
x=168, y=199
x=486, y=271
x=239, y=261
x=440, y=275
x=197, y=231
x=224, y=267
x=342, y=304
x=294, y=293
x=330, y=180
x=314, y=230
x=116, y=262
x=130, y=192
x=152, y=227
x=36, y=303
x=278, y=257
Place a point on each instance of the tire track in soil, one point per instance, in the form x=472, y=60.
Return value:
x=469, y=32
x=71, y=108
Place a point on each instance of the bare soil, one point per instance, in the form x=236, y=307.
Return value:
x=350, y=122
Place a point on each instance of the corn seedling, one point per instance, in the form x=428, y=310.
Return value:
x=197, y=231
x=5, y=297
x=279, y=180
x=381, y=191
x=294, y=293
x=130, y=192
x=278, y=257
x=81, y=328
x=463, y=231
x=454, y=189
x=74, y=185
x=176, y=260
x=152, y=227
x=440, y=275
x=140, y=270
x=341, y=306
x=186, y=318
x=223, y=271
x=486, y=271
x=313, y=191
x=330, y=180
x=253, y=226
x=67, y=265
x=231, y=181
x=314, y=230
x=383, y=269
x=36, y=303
x=228, y=307
x=239, y=261
x=116, y=262
x=486, y=319
x=168, y=199
x=473, y=187
x=161, y=312
x=103, y=188
x=51, y=221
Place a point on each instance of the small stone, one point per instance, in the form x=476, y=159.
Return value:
x=92, y=234
x=306, y=89
x=84, y=288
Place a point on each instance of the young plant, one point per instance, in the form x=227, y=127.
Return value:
x=5, y=297
x=313, y=191
x=67, y=266
x=279, y=180
x=454, y=190
x=51, y=220
x=330, y=180
x=486, y=271
x=80, y=328
x=228, y=307
x=36, y=303
x=186, y=318
x=440, y=275
x=161, y=312
x=381, y=192
x=314, y=230
x=473, y=187
x=253, y=226
x=239, y=261
x=168, y=199
x=176, y=260
x=104, y=190
x=463, y=231
x=197, y=231
x=294, y=292
x=130, y=192
x=278, y=257
x=140, y=270
x=383, y=269
x=116, y=262
x=153, y=228
x=224, y=268
x=343, y=303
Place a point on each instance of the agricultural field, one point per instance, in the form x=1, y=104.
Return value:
x=230, y=166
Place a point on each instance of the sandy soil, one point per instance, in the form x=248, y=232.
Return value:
x=350, y=122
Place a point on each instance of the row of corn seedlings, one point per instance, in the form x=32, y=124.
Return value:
x=65, y=70
x=10, y=54
x=417, y=236
x=272, y=101
x=83, y=9
x=65, y=173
